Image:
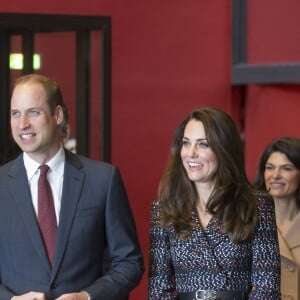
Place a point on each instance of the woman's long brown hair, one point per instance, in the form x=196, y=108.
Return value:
x=233, y=199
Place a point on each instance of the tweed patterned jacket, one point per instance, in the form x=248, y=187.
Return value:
x=208, y=260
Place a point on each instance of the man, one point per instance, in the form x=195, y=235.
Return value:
x=91, y=209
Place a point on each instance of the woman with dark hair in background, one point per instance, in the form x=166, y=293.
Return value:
x=212, y=235
x=279, y=174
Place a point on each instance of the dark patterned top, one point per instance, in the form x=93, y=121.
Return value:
x=178, y=265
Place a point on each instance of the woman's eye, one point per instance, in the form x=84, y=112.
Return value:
x=288, y=168
x=203, y=145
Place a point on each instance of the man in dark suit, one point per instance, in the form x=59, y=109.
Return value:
x=92, y=212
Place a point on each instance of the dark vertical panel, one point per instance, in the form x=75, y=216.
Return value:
x=28, y=50
x=82, y=92
x=4, y=84
x=8, y=148
x=4, y=95
x=239, y=34
x=106, y=96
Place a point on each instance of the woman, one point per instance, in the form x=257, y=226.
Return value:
x=212, y=235
x=279, y=174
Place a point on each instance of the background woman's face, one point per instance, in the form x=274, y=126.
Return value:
x=282, y=178
x=198, y=159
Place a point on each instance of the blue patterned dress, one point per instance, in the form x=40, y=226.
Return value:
x=178, y=265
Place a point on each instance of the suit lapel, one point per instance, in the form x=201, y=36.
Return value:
x=289, y=243
x=292, y=234
x=72, y=186
x=284, y=247
x=21, y=197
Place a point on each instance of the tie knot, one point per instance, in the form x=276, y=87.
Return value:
x=44, y=169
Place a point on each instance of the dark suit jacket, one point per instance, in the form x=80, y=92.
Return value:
x=95, y=215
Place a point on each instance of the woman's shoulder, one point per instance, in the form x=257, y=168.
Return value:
x=264, y=200
x=155, y=207
x=265, y=207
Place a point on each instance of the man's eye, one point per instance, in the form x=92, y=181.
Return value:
x=33, y=113
x=15, y=114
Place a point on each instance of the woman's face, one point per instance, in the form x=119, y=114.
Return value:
x=282, y=178
x=198, y=159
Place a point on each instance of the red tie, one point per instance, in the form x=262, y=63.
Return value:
x=46, y=212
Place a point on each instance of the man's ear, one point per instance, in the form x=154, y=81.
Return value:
x=59, y=115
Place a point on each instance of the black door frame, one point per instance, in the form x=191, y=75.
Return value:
x=27, y=25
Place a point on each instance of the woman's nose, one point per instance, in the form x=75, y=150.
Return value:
x=276, y=173
x=193, y=151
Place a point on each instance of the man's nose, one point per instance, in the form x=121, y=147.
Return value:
x=23, y=122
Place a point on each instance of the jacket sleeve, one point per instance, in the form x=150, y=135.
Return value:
x=265, y=254
x=161, y=273
x=125, y=267
x=5, y=293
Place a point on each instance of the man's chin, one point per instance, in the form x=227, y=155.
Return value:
x=27, y=148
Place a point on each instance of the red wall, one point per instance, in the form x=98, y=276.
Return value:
x=271, y=110
x=169, y=57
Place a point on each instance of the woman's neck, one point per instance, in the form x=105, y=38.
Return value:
x=286, y=209
x=204, y=191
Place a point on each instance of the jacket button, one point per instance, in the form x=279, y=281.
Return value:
x=53, y=286
x=291, y=268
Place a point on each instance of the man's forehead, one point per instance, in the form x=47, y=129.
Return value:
x=32, y=90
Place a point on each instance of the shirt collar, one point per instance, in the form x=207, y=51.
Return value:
x=56, y=164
